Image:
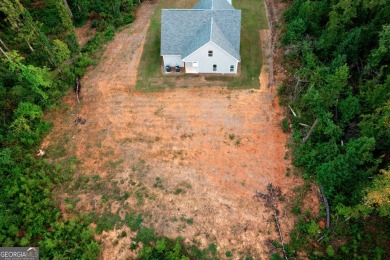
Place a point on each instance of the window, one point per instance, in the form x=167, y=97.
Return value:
x=210, y=53
x=215, y=67
x=231, y=68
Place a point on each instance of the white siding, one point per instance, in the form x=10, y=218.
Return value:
x=173, y=60
x=220, y=58
x=191, y=67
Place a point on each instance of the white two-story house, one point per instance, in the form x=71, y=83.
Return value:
x=205, y=39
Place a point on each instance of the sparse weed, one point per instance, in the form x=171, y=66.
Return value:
x=159, y=183
x=122, y=234
x=285, y=125
x=178, y=191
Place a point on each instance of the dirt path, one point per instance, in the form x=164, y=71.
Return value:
x=207, y=150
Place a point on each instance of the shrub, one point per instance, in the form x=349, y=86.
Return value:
x=285, y=125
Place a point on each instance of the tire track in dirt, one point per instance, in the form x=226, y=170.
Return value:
x=117, y=69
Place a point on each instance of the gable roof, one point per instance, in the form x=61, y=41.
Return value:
x=185, y=30
x=213, y=5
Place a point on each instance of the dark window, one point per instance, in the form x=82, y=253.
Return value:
x=210, y=53
x=231, y=68
x=215, y=67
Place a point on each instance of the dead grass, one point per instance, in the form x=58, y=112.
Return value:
x=184, y=162
x=150, y=77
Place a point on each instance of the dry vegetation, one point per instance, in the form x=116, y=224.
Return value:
x=185, y=162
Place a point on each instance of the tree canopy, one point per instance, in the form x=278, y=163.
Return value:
x=40, y=59
x=337, y=56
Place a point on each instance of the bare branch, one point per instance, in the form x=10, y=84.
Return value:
x=5, y=46
x=292, y=111
x=3, y=52
x=310, y=131
x=68, y=8
x=325, y=200
x=77, y=88
x=270, y=203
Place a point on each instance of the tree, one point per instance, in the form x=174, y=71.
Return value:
x=378, y=194
x=38, y=78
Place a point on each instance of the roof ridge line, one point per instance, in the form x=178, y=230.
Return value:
x=211, y=28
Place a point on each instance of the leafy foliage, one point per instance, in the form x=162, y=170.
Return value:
x=40, y=60
x=379, y=193
x=165, y=248
x=337, y=60
x=116, y=12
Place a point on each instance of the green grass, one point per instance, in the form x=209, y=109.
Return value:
x=106, y=221
x=134, y=221
x=253, y=20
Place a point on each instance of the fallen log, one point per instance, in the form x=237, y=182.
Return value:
x=292, y=111
x=77, y=88
x=310, y=131
x=325, y=200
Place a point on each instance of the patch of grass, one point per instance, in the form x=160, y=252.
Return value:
x=107, y=221
x=146, y=235
x=133, y=221
x=253, y=19
x=71, y=203
x=151, y=60
x=285, y=125
x=276, y=256
x=185, y=184
x=288, y=171
x=65, y=169
x=140, y=168
x=189, y=221
x=122, y=234
x=81, y=182
x=57, y=150
x=158, y=183
x=296, y=209
x=114, y=164
x=178, y=191
x=141, y=194
x=213, y=249
x=104, y=198
x=126, y=195
x=232, y=136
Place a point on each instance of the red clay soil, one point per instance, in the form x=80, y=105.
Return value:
x=213, y=148
x=85, y=33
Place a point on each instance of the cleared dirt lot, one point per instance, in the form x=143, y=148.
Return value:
x=190, y=159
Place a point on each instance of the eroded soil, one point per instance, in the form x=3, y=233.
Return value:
x=85, y=33
x=190, y=159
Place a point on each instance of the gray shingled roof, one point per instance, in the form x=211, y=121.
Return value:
x=213, y=4
x=185, y=30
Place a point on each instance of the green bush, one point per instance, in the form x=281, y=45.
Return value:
x=134, y=222
x=145, y=235
x=285, y=125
